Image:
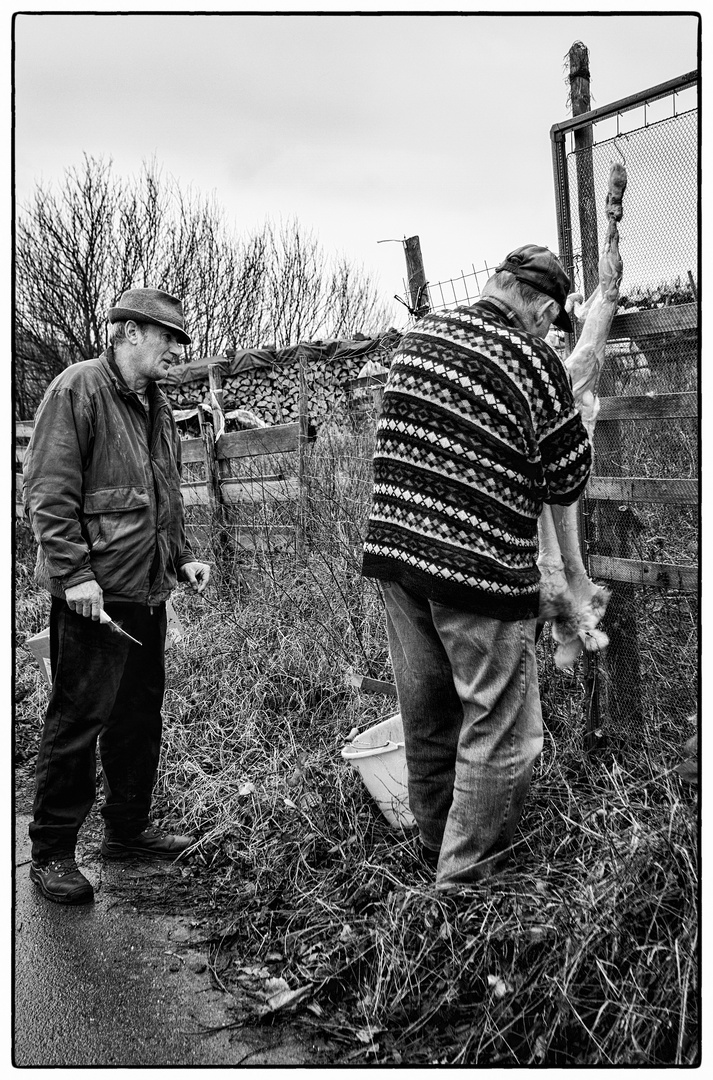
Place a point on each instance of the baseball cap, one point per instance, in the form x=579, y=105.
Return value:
x=538, y=267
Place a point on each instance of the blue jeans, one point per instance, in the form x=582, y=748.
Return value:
x=105, y=690
x=470, y=706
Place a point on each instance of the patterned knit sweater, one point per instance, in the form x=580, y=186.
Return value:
x=478, y=429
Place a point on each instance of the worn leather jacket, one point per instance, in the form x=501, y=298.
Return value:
x=102, y=487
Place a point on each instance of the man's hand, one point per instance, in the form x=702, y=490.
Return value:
x=197, y=574
x=86, y=599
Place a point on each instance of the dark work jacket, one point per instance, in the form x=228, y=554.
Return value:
x=102, y=486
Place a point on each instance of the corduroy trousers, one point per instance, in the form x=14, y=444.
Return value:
x=470, y=706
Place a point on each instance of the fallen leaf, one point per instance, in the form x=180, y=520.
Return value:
x=540, y=1048
x=285, y=998
x=246, y=789
x=499, y=986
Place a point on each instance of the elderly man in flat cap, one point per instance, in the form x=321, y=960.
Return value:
x=102, y=490
x=478, y=429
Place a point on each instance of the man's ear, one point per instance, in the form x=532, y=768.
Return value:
x=548, y=309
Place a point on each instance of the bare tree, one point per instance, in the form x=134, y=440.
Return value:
x=79, y=248
x=307, y=296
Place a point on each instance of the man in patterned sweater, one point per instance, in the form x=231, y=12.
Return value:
x=478, y=429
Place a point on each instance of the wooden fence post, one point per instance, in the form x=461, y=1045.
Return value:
x=212, y=476
x=618, y=672
x=302, y=443
x=583, y=140
x=420, y=302
x=215, y=384
x=612, y=682
x=218, y=468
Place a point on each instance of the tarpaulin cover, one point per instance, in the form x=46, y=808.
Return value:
x=246, y=359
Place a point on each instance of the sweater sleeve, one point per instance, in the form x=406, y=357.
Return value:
x=565, y=448
x=52, y=484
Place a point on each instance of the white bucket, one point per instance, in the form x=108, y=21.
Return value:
x=378, y=754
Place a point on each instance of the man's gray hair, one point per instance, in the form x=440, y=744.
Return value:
x=520, y=294
x=117, y=331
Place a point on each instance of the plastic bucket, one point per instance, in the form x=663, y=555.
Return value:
x=39, y=646
x=378, y=754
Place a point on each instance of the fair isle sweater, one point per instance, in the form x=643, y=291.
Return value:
x=478, y=429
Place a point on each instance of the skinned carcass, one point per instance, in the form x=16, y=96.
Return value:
x=568, y=598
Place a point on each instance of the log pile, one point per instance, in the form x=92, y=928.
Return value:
x=272, y=391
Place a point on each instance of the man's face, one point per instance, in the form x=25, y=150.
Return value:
x=540, y=321
x=156, y=349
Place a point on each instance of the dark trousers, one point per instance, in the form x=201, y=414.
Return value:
x=107, y=690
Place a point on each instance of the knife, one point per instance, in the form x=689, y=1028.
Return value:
x=106, y=620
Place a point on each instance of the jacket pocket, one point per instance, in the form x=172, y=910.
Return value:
x=113, y=512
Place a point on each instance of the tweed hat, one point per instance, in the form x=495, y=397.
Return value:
x=539, y=268
x=151, y=306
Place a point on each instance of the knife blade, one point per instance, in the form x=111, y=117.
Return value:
x=106, y=620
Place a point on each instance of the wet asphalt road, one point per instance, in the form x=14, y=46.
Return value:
x=103, y=984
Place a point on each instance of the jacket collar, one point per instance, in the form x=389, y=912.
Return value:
x=116, y=377
x=156, y=395
x=496, y=309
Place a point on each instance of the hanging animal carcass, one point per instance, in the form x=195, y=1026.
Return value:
x=568, y=598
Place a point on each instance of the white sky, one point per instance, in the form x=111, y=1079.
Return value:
x=364, y=127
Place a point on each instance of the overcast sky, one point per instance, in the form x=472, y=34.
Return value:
x=365, y=127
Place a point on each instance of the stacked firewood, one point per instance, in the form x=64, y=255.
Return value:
x=273, y=393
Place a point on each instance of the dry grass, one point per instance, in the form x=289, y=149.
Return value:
x=584, y=951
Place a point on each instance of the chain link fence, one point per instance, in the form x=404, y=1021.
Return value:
x=641, y=511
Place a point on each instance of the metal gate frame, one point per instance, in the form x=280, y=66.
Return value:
x=558, y=137
x=578, y=125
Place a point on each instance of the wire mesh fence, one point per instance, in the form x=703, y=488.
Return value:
x=464, y=289
x=642, y=518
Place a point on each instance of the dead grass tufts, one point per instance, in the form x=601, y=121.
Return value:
x=583, y=951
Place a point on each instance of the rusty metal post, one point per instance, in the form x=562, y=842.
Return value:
x=562, y=209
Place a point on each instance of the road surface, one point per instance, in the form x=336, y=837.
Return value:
x=104, y=985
